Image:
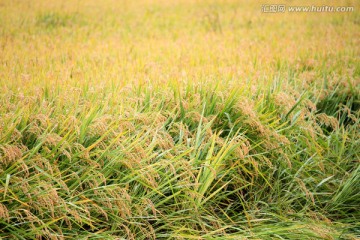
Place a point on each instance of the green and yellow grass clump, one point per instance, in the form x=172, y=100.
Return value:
x=178, y=120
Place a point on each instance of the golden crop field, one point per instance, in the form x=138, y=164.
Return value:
x=179, y=119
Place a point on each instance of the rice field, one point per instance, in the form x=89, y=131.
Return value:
x=182, y=119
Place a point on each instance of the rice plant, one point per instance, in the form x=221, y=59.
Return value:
x=178, y=120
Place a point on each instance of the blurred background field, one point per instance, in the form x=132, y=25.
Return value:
x=178, y=119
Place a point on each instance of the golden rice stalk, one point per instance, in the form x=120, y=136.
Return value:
x=328, y=120
x=4, y=213
x=10, y=153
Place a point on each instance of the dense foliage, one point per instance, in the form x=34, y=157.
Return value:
x=178, y=120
